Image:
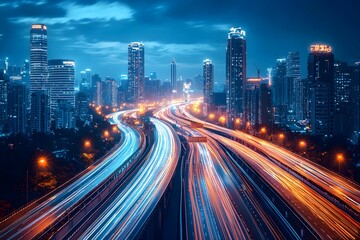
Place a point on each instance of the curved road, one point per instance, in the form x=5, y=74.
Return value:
x=128, y=211
x=28, y=223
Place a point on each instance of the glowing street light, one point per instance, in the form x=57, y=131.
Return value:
x=106, y=133
x=340, y=158
x=211, y=116
x=281, y=136
x=222, y=119
x=237, y=121
x=87, y=143
x=302, y=143
x=42, y=162
x=263, y=130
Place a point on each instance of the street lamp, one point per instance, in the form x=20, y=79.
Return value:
x=302, y=144
x=263, y=130
x=339, y=158
x=106, y=134
x=42, y=162
x=87, y=144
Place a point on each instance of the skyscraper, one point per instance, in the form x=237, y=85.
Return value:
x=61, y=82
x=136, y=71
x=280, y=87
x=38, y=57
x=344, y=109
x=40, y=112
x=293, y=76
x=208, y=74
x=321, y=81
x=235, y=73
x=85, y=83
x=17, y=108
x=3, y=100
x=173, y=74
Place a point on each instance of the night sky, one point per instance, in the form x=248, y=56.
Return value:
x=96, y=33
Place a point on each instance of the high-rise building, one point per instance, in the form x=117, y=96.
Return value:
x=259, y=102
x=280, y=96
x=85, y=83
x=64, y=115
x=25, y=74
x=110, y=92
x=355, y=96
x=344, y=109
x=321, y=80
x=61, y=83
x=293, y=75
x=279, y=83
x=235, y=74
x=208, y=75
x=40, y=112
x=38, y=57
x=17, y=108
x=81, y=105
x=173, y=74
x=136, y=71
x=3, y=100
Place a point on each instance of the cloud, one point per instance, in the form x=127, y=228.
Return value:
x=100, y=11
x=16, y=4
x=172, y=49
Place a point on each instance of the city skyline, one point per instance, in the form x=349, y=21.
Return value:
x=70, y=35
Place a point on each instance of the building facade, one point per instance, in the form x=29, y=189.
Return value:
x=235, y=74
x=38, y=57
x=17, y=108
x=136, y=71
x=321, y=81
x=173, y=78
x=208, y=76
x=61, y=83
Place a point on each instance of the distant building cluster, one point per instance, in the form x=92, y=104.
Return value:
x=41, y=94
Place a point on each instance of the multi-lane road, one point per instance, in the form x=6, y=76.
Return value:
x=286, y=172
x=128, y=210
x=235, y=186
x=217, y=205
x=32, y=220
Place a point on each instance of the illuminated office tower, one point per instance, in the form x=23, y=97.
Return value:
x=38, y=57
x=61, y=82
x=85, y=83
x=293, y=76
x=208, y=75
x=17, y=108
x=136, y=71
x=321, y=81
x=173, y=74
x=235, y=74
x=40, y=112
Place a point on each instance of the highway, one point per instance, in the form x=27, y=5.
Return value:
x=340, y=187
x=324, y=217
x=128, y=210
x=218, y=207
x=32, y=220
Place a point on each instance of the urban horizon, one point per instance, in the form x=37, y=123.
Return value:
x=271, y=153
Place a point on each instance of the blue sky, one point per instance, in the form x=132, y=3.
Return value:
x=96, y=33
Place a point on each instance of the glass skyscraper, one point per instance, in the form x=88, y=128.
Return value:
x=173, y=74
x=208, y=74
x=321, y=81
x=38, y=57
x=235, y=74
x=61, y=83
x=136, y=71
